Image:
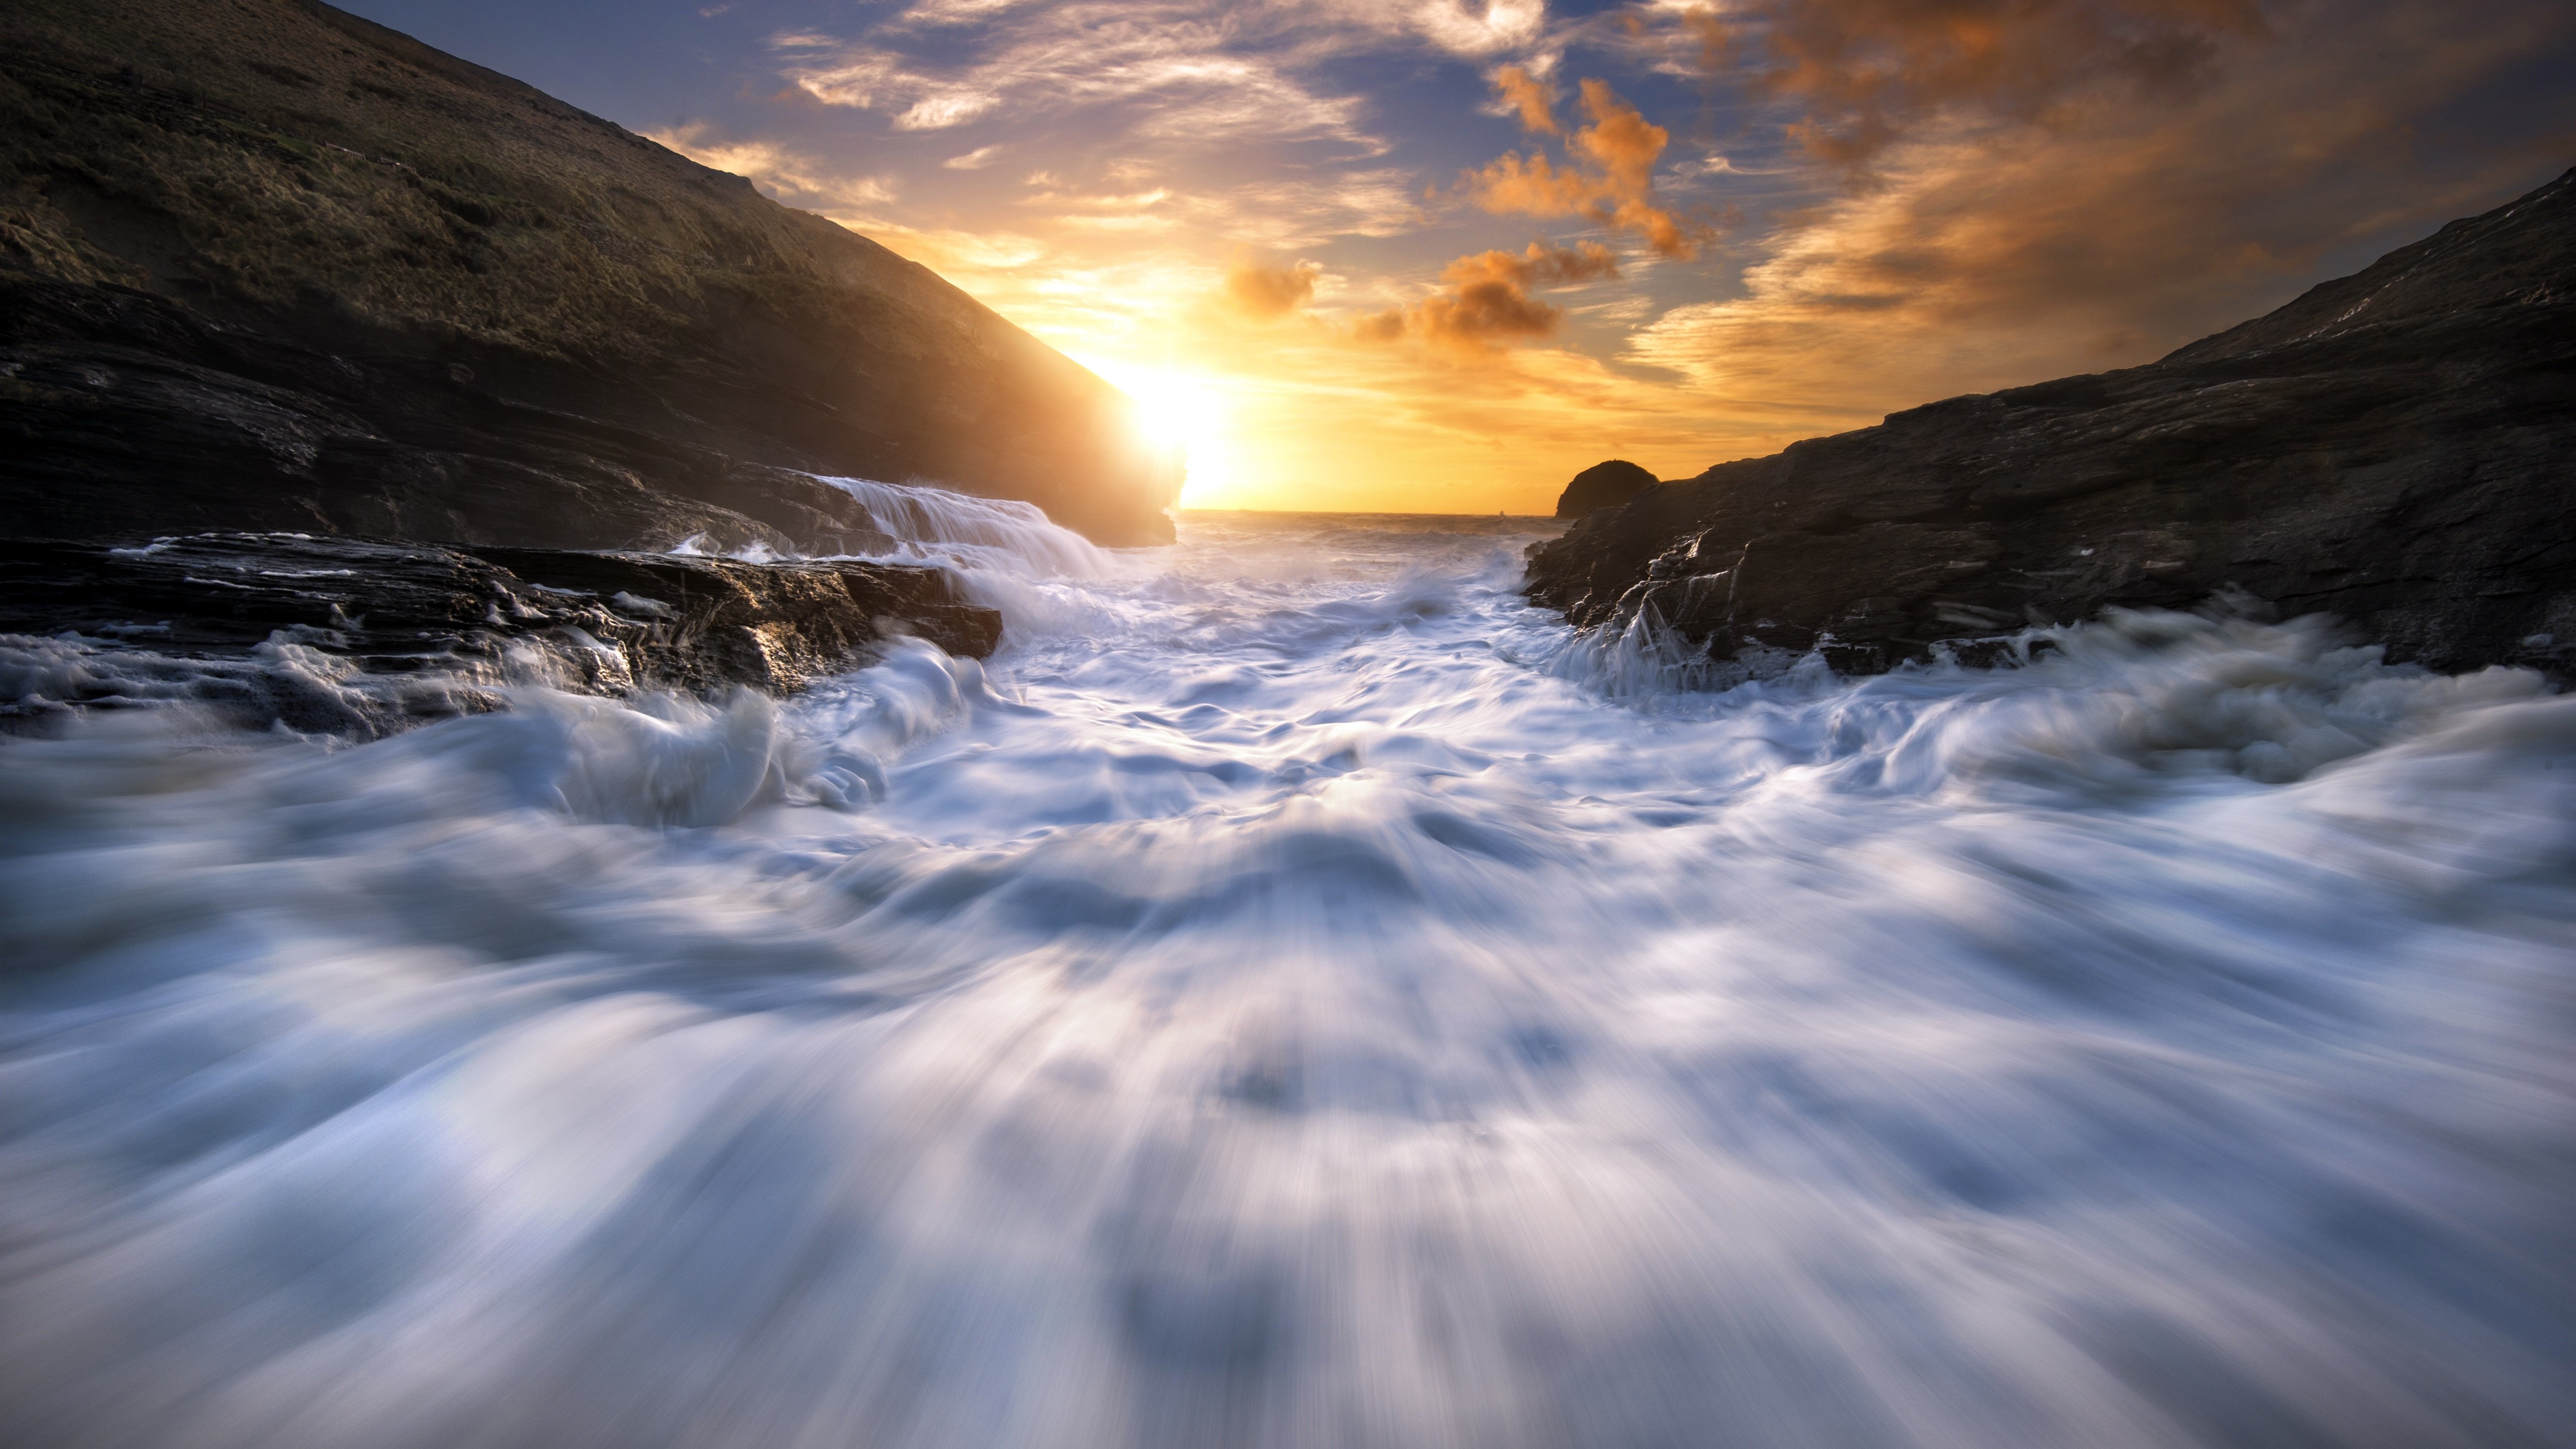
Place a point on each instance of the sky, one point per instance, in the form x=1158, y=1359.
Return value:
x=1437, y=255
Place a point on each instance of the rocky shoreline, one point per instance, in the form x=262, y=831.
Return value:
x=345, y=384
x=362, y=637
x=2396, y=448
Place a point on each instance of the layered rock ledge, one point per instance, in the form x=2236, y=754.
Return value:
x=2397, y=448
x=362, y=637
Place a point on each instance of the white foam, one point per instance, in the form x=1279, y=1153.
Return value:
x=1279, y=999
x=1001, y=532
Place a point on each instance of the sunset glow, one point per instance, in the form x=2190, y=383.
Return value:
x=1183, y=410
x=1672, y=232
x=1255, y=724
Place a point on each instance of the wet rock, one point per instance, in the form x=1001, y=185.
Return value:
x=272, y=625
x=2395, y=447
x=1603, y=485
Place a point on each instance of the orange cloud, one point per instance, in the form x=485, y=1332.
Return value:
x=1488, y=299
x=1270, y=292
x=1983, y=257
x=1867, y=72
x=1479, y=315
x=1617, y=189
x=1529, y=96
x=1541, y=266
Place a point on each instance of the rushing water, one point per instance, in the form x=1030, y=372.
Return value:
x=1296, y=994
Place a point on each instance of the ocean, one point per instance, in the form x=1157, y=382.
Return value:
x=1296, y=993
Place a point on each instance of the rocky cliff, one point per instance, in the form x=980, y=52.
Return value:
x=264, y=265
x=2397, y=447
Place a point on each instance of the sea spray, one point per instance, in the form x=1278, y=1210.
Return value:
x=940, y=523
x=1271, y=1002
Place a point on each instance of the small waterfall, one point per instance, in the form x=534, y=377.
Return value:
x=983, y=531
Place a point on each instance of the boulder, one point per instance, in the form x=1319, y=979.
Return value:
x=1603, y=485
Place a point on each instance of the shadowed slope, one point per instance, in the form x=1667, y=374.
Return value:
x=343, y=281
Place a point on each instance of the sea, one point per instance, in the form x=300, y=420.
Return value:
x=1297, y=993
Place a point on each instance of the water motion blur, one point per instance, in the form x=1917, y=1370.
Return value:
x=1298, y=994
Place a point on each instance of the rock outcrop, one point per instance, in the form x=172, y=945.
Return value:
x=361, y=637
x=1603, y=485
x=265, y=265
x=2397, y=448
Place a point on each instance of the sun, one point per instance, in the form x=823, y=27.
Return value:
x=1180, y=409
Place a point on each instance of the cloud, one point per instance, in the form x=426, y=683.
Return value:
x=1540, y=266
x=1462, y=29
x=1476, y=317
x=1530, y=97
x=1983, y=258
x=1268, y=293
x=1190, y=69
x=1169, y=69
x=847, y=75
x=1864, y=73
x=1275, y=214
x=1488, y=300
x=1284, y=213
x=784, y=174
x=975, y=160
x=958, y=12
x=950, y=108
x=1104, y=210
x=1095, y=201
x=1617, y=189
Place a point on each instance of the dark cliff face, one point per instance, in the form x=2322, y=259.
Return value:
x=267, y=265
x=2397, y=448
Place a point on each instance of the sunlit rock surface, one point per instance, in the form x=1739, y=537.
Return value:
x=265, y=265
x=2395, y=448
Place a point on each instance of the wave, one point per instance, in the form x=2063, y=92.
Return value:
x=1279, y=1000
